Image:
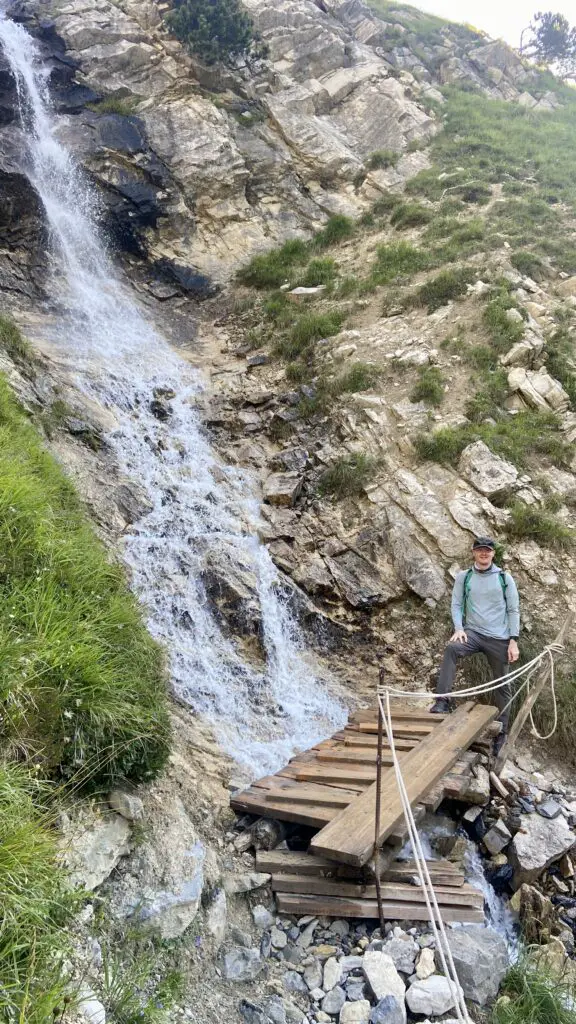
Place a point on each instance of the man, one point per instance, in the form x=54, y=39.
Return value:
x=486, y=617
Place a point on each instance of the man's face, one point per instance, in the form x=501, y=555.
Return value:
x=483, y=557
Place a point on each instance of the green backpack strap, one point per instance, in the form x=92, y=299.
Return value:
x=468, y=584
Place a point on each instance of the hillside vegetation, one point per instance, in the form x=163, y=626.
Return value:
x=83, y=699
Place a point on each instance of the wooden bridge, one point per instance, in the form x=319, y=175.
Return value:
x=332, y=790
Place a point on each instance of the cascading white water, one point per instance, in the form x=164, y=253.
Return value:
x=204, y=513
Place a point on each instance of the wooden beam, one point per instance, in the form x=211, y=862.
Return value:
x=301, y=794
x=332, y=906
x=350, y=834
x=463, y=896
x=344, y=774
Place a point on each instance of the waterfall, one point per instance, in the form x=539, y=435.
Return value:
x=204, y=513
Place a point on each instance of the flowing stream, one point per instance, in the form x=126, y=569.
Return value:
x=205, y=514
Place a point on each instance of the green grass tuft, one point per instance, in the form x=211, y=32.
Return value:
x=446, y=286
x=382, y=159
x=396, y=260
x=310, y=328
x=337, y=229
x=81, y=681
x=533, y=995
x=271, y=269
x=319, y=271
x=529, y=521
x=359, y=377
x=517, y=438
x=14, y=343
x=410, y=215
x=114, y=105
x=348, y=476
x=528, y=263
x=429, y=387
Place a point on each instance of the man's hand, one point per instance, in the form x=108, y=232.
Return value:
x=459, y=637
x=513, y=652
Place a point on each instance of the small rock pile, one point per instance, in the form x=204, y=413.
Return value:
x=323, y=971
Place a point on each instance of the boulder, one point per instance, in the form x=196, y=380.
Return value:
x=93, y=844
x=241, y=964
x=538, y=389
x=283, y=489
x=431, y=997
x=383, y=978
x=262, y=917
x=481, y=961
x=235, y=884
x=487, y=472
x=539, y=843
x=355, y=1013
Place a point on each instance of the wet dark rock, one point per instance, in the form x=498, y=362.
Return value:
x=501, y=879
x=73, y=98
x=121, y=132
x=162, y=291
x=133, y=502
x=188, y=279
x=160, y=409
x=258, y=360
x=86, y=432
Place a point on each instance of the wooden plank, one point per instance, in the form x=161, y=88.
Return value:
x=332, y=906
x=370, y=715
x=350, y=834
x=301, y=794
x=439, y=876
x=254, y=802
x=403, y=728
x=338, y=775
x=464, y=896
x=364, y=739
x=354, y=756
x=298, y=862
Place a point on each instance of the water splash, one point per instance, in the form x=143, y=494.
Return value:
x=498, y=913
x=204, y=515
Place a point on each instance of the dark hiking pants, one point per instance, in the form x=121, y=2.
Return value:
x=496, y=652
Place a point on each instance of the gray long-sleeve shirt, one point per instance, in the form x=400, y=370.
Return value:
x=487, y=610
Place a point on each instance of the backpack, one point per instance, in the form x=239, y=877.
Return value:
x=467, y=586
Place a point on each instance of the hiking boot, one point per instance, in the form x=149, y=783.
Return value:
x=499, y=742
x=441, y=706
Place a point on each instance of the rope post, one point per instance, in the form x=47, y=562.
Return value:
x=378, y=804
x=531, y=699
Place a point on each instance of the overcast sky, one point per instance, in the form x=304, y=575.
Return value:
x=499, y=18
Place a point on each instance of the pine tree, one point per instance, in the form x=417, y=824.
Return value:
x=217, y=31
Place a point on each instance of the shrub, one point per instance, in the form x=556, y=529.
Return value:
x=536, y=524
x=385, y=204
x=429, y=386
x=360, y=377
x=348, y=476
x=517, y=438
x=503, y=332
x=81, y=681
x=337, y=229
x=476, y=193
x=321, y=271
x=410, y=215
x=14, y=343
x=489, y=401
x=527, y=263
x=123, y=105
x=311, y=327
x=214, y=30
x=271, y=269
x=395, y=260
x=439, y=290
x=382, y=158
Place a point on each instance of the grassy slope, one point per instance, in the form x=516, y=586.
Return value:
x=83, y=699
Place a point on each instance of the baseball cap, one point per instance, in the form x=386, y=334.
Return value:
x=484, y=542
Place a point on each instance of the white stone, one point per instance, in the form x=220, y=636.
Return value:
x=433, y=996
x=262, y=917
x=235, y=884
x=426, y=964
x=126, y=804
x=382, y=976
x=93, y=845
x=91, y=1010
x=332, y=973
x=538, y=389
x=355, y=1013
x=487, y=472
x=278, y=938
